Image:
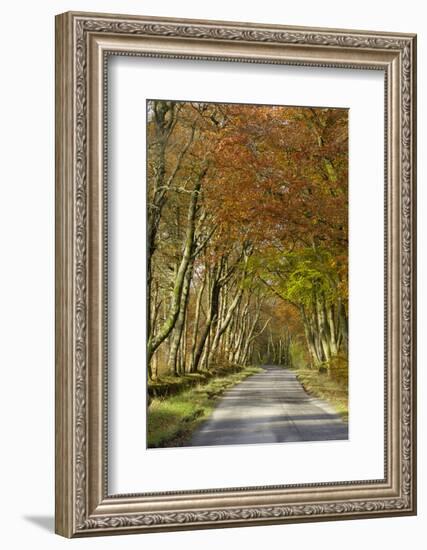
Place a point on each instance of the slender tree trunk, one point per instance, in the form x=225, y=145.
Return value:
x=251, y=336
x=205, y=359
x=332, y=329
x=310, y=335
x=342, y=327
x=169, y=323
x=153, y=373
x=225, y=321
x=323, y=331
x=210, y=321
x=241, y=336
x=184, y=338
x=179, y=325
x=196, y=322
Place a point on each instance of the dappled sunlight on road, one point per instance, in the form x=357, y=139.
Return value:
x=269, y=407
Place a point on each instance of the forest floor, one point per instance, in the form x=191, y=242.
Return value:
x=332, y=387
x=173, y=419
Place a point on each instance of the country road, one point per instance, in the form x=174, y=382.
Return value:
x=269, y=407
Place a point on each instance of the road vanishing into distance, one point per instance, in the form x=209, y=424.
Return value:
x=269, y=407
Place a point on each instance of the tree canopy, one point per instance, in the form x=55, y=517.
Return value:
x=247, y=224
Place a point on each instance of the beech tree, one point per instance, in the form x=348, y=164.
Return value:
x=246, y=219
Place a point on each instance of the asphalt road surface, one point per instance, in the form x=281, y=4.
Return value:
x=269, y=407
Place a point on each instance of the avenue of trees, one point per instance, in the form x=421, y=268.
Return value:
x=247, y=236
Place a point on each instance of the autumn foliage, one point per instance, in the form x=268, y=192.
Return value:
x=247, y=221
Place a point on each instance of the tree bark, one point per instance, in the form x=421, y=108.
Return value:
x=225, y=321
x=196, y=322
x=330, y=315
x=323, y=329
x=212, y=315
x=179, y=325
x=169, y=323
x=164, y=119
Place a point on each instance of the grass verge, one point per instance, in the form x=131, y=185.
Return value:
x=328, y=387
x=172, y=420
x=166, y=386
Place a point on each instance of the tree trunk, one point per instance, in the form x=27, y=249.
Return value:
x=169, y=323
x=179, y=325
x=212, y=315
x=330, y=314
x=343, y=327
x=323, y=329
x=225, y=321
x=196, y=322
x=310, y=336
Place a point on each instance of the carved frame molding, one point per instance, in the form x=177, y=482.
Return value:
x=83, y=43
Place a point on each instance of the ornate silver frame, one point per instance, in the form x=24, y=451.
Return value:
x=83, y=505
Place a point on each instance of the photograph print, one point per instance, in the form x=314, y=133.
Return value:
x=247, y=274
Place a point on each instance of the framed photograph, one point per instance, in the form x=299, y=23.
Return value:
x=235, y=274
